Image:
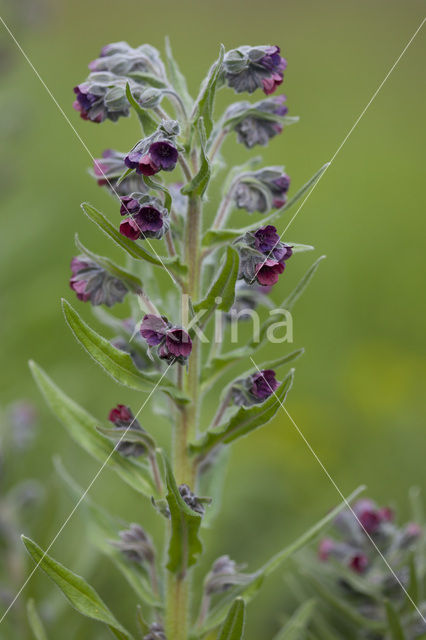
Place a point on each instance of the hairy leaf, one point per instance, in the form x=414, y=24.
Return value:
x=129, y=246
x=233, y=627
x=205, y=102
x=176, y=77
x=198, y=184
x=35, y=621
x=223, y=287
x=133, y=282
x=248, y=591
x=185, y=544
x=82, y=429
x=246, y=419
x=147, y=78
x=118, y=364
x=80, y=594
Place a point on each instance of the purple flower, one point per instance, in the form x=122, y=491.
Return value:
x=262, y=256
x=89, y=105
x=122, y=418
x=92, y=283
x=359, y=562
x=268, y=271
x=147, y=217
x=249, y=68
x=173, y=343
x=264, y=384
x=108, y=169
x=102, y=96
x=262, y=190
x=164, y=155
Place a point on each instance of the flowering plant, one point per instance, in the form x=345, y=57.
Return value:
x=217, y=272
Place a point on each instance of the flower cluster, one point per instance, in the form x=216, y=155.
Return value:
x=92, y=283
x=172, y=342
x=262, y=256
x=254, y=389
x=255, y=124
x=250, y=68
x=157, y=152
x=262, y=190
x=123, y=419
x=102, y=96
x=123, y=60
x=135, y=544
x=146, y=217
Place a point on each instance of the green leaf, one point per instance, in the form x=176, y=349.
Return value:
x=395, y=624
x=79, y=593
x=205, y=102
x=82, y=429
x=118, y=364
x=185, y=544
x=132, y=435
x=177, y=79
x=147, y=122
x=223, y=287
x=147, y=78
x=132, y=282
x=248, y=591
x=152, y=184
x=104, y=528
x=244, y=420
x=129, y=246
x=233, y=627
x=35, y=621
x=198, y=185
x=296, y=626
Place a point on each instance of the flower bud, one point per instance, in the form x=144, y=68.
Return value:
x=102, y=96
x=191, y=499
x=92, y=283
x=249, y=68
x=224, y=574
x=122, y=418
x=173, y=343
x=136, y=545
x=255, y=389
x=262, y=256
x=123, y=60
x=262, y=190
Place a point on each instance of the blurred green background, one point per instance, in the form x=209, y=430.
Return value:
x=359, y=392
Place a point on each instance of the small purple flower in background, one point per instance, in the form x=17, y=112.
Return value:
x=250, y=68
x=92, y=283
x=224, y=574
x=122, y=418
x=108, y=169
x=255, y=124
x=135, y=544
x=173, y=343
x=23, y=418
x=255, y=389
x=262, y=190
x=147, y=217
x=262, y=256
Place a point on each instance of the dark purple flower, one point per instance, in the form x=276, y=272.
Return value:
x=130, y=229
x=102, y=96
x=132, y=159
x=92, y=282
x=86, y=103
x=164, y=155
x=268, y=271
x=264, y=384
x=123, y=419
x=173, y=343
x=149, y=220
x=267, y=238
x=147, y=217
x=129, y=205
x=359, y=562
x=153, y=329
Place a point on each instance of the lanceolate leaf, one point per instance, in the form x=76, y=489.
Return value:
x=205, y=101
x=103, y=530
x=131, y=248
x=148, y=123
x=79, y=593
x=244, y=421
x=199, y=182
x=133, y=282
x=176, y=77
x=395, y=625
x=248, y=591
x=35, y=622
x=223, y=288
x=185, y=544
x=82, y=428
x=233, y=627
x=296, y=627
x=118, y=364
